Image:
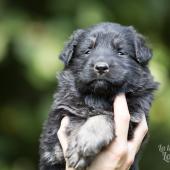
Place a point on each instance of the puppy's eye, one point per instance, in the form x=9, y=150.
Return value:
x=87, y=51
x=121, y=53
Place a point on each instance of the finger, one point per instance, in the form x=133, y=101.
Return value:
x=121, y=117
x=139, y=135
x=63, y=138
x=62, y=133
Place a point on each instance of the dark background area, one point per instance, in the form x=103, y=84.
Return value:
x=32, y=34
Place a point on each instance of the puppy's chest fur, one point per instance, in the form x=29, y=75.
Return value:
x=98, y=102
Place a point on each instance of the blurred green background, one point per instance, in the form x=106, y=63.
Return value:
x=32, y=34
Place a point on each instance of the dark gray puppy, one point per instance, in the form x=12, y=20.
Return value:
x=100, y=62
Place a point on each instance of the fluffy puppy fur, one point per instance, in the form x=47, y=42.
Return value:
x=100, y=62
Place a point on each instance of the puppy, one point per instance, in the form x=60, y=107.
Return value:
x=100, y=62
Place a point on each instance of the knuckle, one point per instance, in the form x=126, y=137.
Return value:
x=126, y=118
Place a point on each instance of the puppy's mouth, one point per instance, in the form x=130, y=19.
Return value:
x=100, y=83
x=111, y=83
x=103, y=87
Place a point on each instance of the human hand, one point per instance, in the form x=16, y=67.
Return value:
x=120, y=154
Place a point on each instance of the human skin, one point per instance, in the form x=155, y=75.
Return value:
x=120, y=153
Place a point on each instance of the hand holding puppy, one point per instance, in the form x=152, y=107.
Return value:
x=120, y=154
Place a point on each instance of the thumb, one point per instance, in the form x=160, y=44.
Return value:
x=62, y=133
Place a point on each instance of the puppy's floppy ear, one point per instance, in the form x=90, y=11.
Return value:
x=68, y=51
x=143, y=52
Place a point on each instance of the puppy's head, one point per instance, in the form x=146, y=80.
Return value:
x=105, y=58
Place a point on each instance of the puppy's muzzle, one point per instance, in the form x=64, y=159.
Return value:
x=101, y=67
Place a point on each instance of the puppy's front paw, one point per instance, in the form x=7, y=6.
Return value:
x=75, y=156
x=90, y=139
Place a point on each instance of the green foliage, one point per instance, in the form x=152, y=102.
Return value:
x=32, y=34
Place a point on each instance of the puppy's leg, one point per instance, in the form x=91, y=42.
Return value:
x=97, y=132
x=138, y=106
x=51, y=155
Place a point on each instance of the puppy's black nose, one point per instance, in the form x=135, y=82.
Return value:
x=101, y=67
